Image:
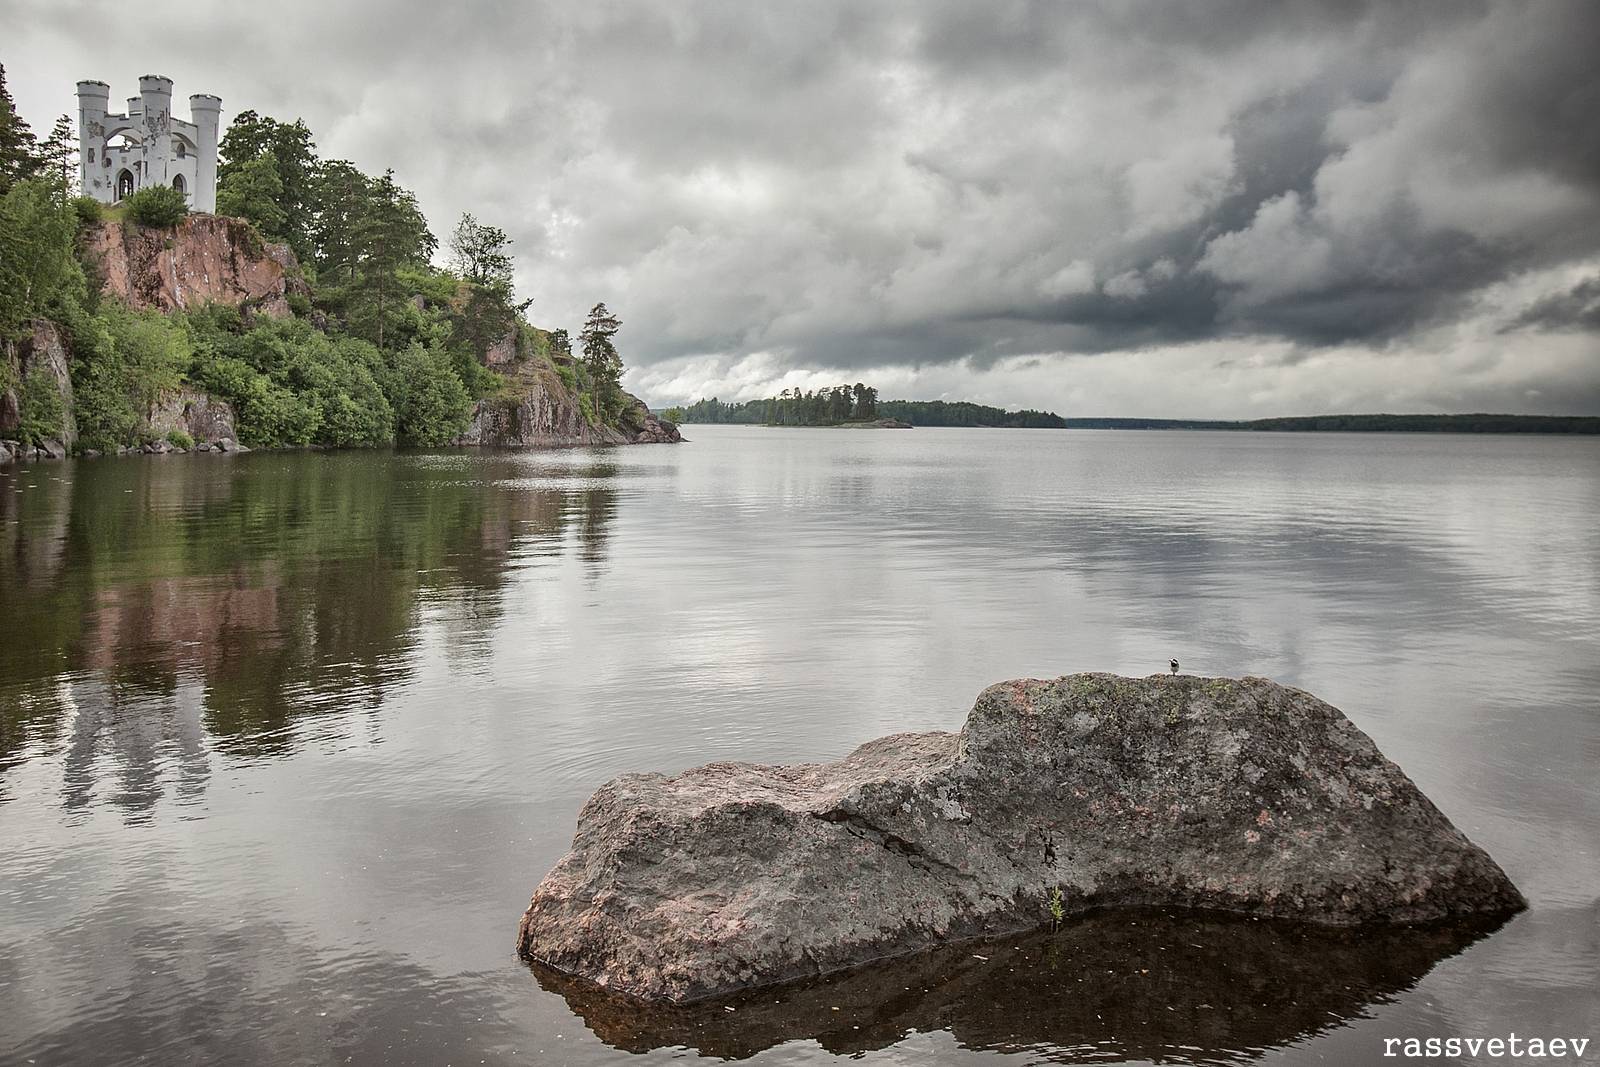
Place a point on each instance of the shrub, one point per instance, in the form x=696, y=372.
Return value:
x=41, y=414
x=88, y=209
x=157, y=206
x=434, y=407
x=179, y=439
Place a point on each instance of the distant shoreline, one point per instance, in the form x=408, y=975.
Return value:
x=1473, y=423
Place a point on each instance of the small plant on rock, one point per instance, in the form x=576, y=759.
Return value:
x=1057, y=907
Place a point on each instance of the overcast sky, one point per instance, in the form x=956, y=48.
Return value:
x=1123, y=208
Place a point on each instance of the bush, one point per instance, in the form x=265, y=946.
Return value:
x=179, y=439
x=434, y=407
x=42, y=415
x=88, y=209
x=157, y=206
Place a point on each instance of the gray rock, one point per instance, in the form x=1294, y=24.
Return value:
x=52, y=449
x=226, y=444
x=1089, y=790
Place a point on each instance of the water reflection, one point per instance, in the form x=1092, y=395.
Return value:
x=201, y=600
x=1113, y=986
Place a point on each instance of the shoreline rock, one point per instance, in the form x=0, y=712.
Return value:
x=1057, y=797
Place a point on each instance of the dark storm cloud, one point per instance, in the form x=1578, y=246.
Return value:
x=852, y=185
x=1576, y=309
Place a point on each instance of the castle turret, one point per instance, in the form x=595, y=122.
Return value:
x=205, y=111
x=93, y=97
x=155, y=91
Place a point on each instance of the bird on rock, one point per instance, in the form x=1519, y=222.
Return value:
x=1174, y=666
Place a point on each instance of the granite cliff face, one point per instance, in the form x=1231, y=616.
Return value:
x=540, y=412
x=41, y=350
x=1056, y=797
x=204, y=259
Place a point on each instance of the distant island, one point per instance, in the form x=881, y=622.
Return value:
x=858, y=404
x=1475, y=423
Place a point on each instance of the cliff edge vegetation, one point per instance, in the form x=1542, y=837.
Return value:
x=309, y=311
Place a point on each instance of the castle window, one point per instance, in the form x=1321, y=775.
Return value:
x=91, y=155
x=178, y=184
x=182, y=151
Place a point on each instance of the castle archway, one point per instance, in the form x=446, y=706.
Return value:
x=178, y=184
x=124, y=184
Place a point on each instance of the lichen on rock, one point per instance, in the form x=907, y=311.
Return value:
x=1233, y=795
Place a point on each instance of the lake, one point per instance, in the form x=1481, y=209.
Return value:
x=287, y=739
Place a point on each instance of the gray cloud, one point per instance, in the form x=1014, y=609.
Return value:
x=848, y=187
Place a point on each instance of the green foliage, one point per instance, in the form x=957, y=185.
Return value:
x=480, y=253
x=1056, y=906
x=122, y=360
x=390, y=234
x=42, y=416
x=179, y=439
x=17, y=159
x=674, y=414
x=37, y=267
x=58, y=155
x=88, y=210
x=434, y=406
x=963, y=413
x=157, y=206
x=253, y=190
x=792, y=407
x=293, y=162
x=602, y=366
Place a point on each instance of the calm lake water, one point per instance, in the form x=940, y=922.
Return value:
x=286, y=740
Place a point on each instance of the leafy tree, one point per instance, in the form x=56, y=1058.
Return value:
x=41, y=415
x=479, y=253
x=390, y=234
x=37, y=265
x=294, y=155
x=58, y=155
x=17, y=159
x=340, y=194
x=434, y=407
x=253, y=192
x=602, y=367
x=157, y=206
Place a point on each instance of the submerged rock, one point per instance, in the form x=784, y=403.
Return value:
x=1056, y=797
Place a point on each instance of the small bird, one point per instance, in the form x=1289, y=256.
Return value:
x=1174, y=666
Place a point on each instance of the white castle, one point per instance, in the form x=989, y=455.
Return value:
x=151, y=147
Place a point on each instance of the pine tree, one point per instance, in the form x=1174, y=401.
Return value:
x=601, y=365
x=17, y=145
x=390, y=234
x=59, y=154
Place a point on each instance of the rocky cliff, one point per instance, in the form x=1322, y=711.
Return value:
x=42, y=349
x=1056, y=797
x=539, y=411
x=204, y=259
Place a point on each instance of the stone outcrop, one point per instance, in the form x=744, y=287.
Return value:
x=41, y=349
x=1056, y=797
x=541, y=413
x=204, y=259
x=203, y=417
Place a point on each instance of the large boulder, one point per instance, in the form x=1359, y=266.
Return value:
x=200, y=415
x=1056, y=797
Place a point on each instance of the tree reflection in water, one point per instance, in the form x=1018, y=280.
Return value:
x=190, y=601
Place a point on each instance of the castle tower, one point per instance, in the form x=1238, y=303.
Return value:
x=206, y=112
x=147, y=145
x=92, y=100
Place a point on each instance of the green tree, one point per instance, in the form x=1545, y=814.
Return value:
x=157, y=206
x=58, y=155
x=480, y=253
x=390, y=234
x=41, y=415
x=253, y=192
x=37, y=265
x=251, y=136
x=487, y=310
x=602, y=366
x=17, y=159
x=434, y=407
x=340, y=197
